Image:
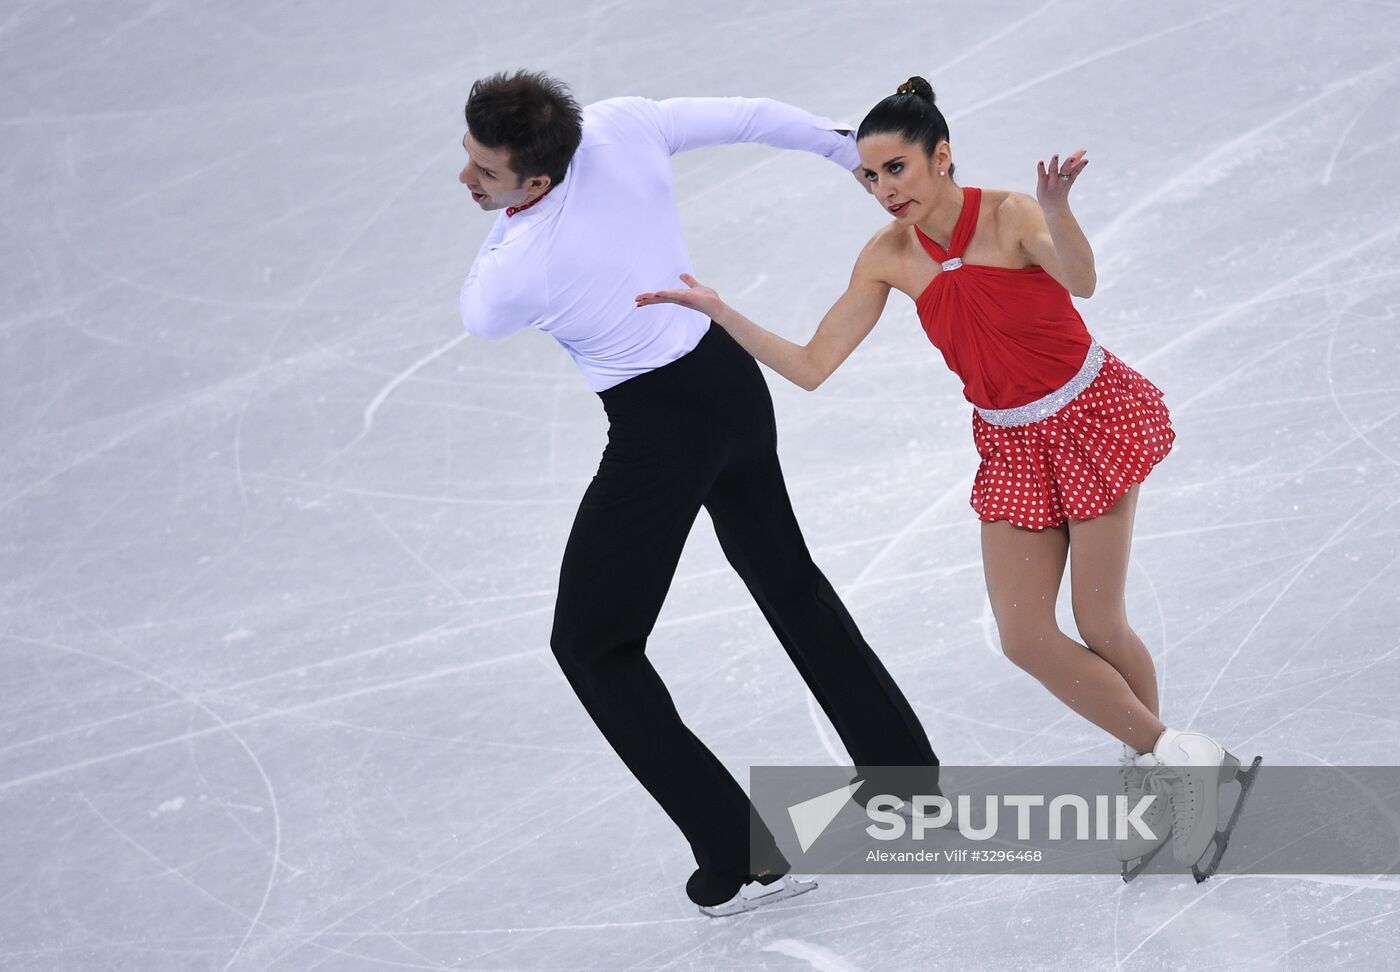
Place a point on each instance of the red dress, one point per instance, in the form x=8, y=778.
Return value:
x=1014, y=337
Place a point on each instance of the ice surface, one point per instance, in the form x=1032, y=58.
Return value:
x=279, y=542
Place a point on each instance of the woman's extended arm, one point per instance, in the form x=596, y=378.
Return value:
x=1049, y=233
x=850, y=319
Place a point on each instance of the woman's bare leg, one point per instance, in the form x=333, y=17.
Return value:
x=1098, y=573
x=1023, y=570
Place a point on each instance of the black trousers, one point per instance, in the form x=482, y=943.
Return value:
x=700, y=432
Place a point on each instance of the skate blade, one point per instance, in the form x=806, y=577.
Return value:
x=1222, y=836
x=754, y=895
x=1133, y=868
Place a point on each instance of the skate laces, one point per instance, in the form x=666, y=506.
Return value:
x=1169, y=782
x=1160, y=780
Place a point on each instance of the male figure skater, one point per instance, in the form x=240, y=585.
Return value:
x=590, y=220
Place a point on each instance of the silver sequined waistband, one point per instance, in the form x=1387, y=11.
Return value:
x=1053, y=402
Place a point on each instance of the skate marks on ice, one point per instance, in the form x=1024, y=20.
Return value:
x=361, y=869
x=819, y=958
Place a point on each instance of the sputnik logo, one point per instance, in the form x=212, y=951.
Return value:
x=810, y=818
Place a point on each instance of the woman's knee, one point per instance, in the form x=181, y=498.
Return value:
x=1027, y=646
x=1104, y=632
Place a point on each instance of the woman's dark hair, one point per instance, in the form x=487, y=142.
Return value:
x=910, y=113
x=532, y=116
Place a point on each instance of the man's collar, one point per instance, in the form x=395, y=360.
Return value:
x=537, y=209
x=512, y=210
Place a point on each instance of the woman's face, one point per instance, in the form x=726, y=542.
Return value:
x=902, y=177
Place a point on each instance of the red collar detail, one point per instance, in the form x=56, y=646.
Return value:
x=520, y=209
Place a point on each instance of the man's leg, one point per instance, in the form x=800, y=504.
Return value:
x=618, y=565
x=759, y=533
x=758, y=530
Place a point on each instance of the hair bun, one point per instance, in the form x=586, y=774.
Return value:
x=917, y=86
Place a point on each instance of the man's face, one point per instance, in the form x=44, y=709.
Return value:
x=489, y=177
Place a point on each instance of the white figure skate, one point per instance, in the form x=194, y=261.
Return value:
x=1136, y=852
x=1195, y=769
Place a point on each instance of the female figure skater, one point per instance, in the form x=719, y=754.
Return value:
x=1065, y=430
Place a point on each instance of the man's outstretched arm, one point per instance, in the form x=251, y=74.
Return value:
x=690, y=123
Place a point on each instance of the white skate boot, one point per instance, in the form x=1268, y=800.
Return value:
x=720, y=896
x=758, y=892
x=1195, y=768
x=1136, y=852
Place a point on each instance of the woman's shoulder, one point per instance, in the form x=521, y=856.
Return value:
x=1012, y=212
x=1009, y=205
x=1006, y=203
x=884, y=252
x=890, y=241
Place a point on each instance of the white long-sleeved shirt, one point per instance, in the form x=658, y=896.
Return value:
x=572, y=263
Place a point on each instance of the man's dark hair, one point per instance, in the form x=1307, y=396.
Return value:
x=532, y=116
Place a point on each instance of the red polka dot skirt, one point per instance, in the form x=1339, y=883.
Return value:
x=1076, y=463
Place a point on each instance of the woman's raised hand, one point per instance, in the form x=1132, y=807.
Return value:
x=1053, y=182
x=697, y=297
